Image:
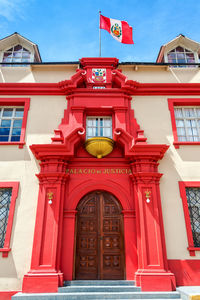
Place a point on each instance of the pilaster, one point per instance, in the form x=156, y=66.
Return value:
x=45, y=274
x=153, y=272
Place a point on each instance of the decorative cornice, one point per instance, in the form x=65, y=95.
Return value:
x=131, y=88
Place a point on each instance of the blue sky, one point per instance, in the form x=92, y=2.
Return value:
x=68, y=30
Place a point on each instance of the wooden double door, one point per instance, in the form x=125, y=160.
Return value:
x=99, y=238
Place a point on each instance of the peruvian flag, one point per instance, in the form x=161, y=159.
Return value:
x=120, y=30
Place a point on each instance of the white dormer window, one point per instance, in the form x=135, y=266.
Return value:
x=16, y=54
x=180, y=55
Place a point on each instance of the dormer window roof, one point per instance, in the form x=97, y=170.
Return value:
x=17, y=49
x=181, y=50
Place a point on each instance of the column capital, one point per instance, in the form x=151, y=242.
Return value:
x=146, y=177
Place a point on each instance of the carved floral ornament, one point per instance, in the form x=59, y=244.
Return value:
x=50, y=197
x=148, y=196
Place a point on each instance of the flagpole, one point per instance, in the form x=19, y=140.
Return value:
x=99, y=34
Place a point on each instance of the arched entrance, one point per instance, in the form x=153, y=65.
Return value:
x=99, y=238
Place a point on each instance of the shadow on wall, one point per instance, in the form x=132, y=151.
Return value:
x=13, y=153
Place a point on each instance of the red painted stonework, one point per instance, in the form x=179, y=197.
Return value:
x=186, y=271
x=7, y=295
x=68, y=173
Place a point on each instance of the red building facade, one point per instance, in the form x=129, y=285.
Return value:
x=99, y=218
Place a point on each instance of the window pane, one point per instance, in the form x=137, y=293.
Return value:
x=179, y=49
x=5, y=123
x=181, y=56
x=16, y=59
x=4, y=131
x=178, y=112
x=179, y=123
x=16, y=131
x=15, y=138
x=7, y=112
x=107, y=122
x=182, y=138
x=7, y=59
x=189, y=112
x=17, y=123
x=4, y=138
x=26, y=54
x=190, y=123
x=181, y=131
x=17, y=54
x=19, y=112
x=171, y=55
x=17, y=48
x=107, y=132
x=89, y=131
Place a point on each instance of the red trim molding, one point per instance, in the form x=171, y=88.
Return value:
x=15, y=186
x=180, y=102
x=182, y=185
x=17, y=102
x=140, y=89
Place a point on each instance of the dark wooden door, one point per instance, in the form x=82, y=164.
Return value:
x=99, y=238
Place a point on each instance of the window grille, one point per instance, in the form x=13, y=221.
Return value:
x=5, y=197
x=193, y=200
x=10, y=123
x=181, y=55
x=17, y=54
x=188, y=123
x=98, y=126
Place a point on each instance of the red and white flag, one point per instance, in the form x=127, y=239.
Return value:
x=120, y=30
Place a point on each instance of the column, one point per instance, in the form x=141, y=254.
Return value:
x=45, y=274
x=153, y=273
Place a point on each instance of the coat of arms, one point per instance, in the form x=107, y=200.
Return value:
x=116, y=30
x=99, y=75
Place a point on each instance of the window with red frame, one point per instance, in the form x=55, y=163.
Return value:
x=185, y=117
x=190, y=194
x=13, y=120
x=8, y=195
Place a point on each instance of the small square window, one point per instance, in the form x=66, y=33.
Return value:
x=10, y=123
x=185, y=117
x=98, y=127
x=13, y=119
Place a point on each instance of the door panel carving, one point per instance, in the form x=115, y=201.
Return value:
x=99, y=243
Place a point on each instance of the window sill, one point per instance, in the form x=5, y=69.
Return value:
x=5, y=251
x=177, y=144
x=192, y=250
x=21, y=144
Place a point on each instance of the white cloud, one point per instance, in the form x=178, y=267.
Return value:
x=12, y=9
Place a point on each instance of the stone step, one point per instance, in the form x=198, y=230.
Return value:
x=99, y=295
x=99, y=283
x=105, y=288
